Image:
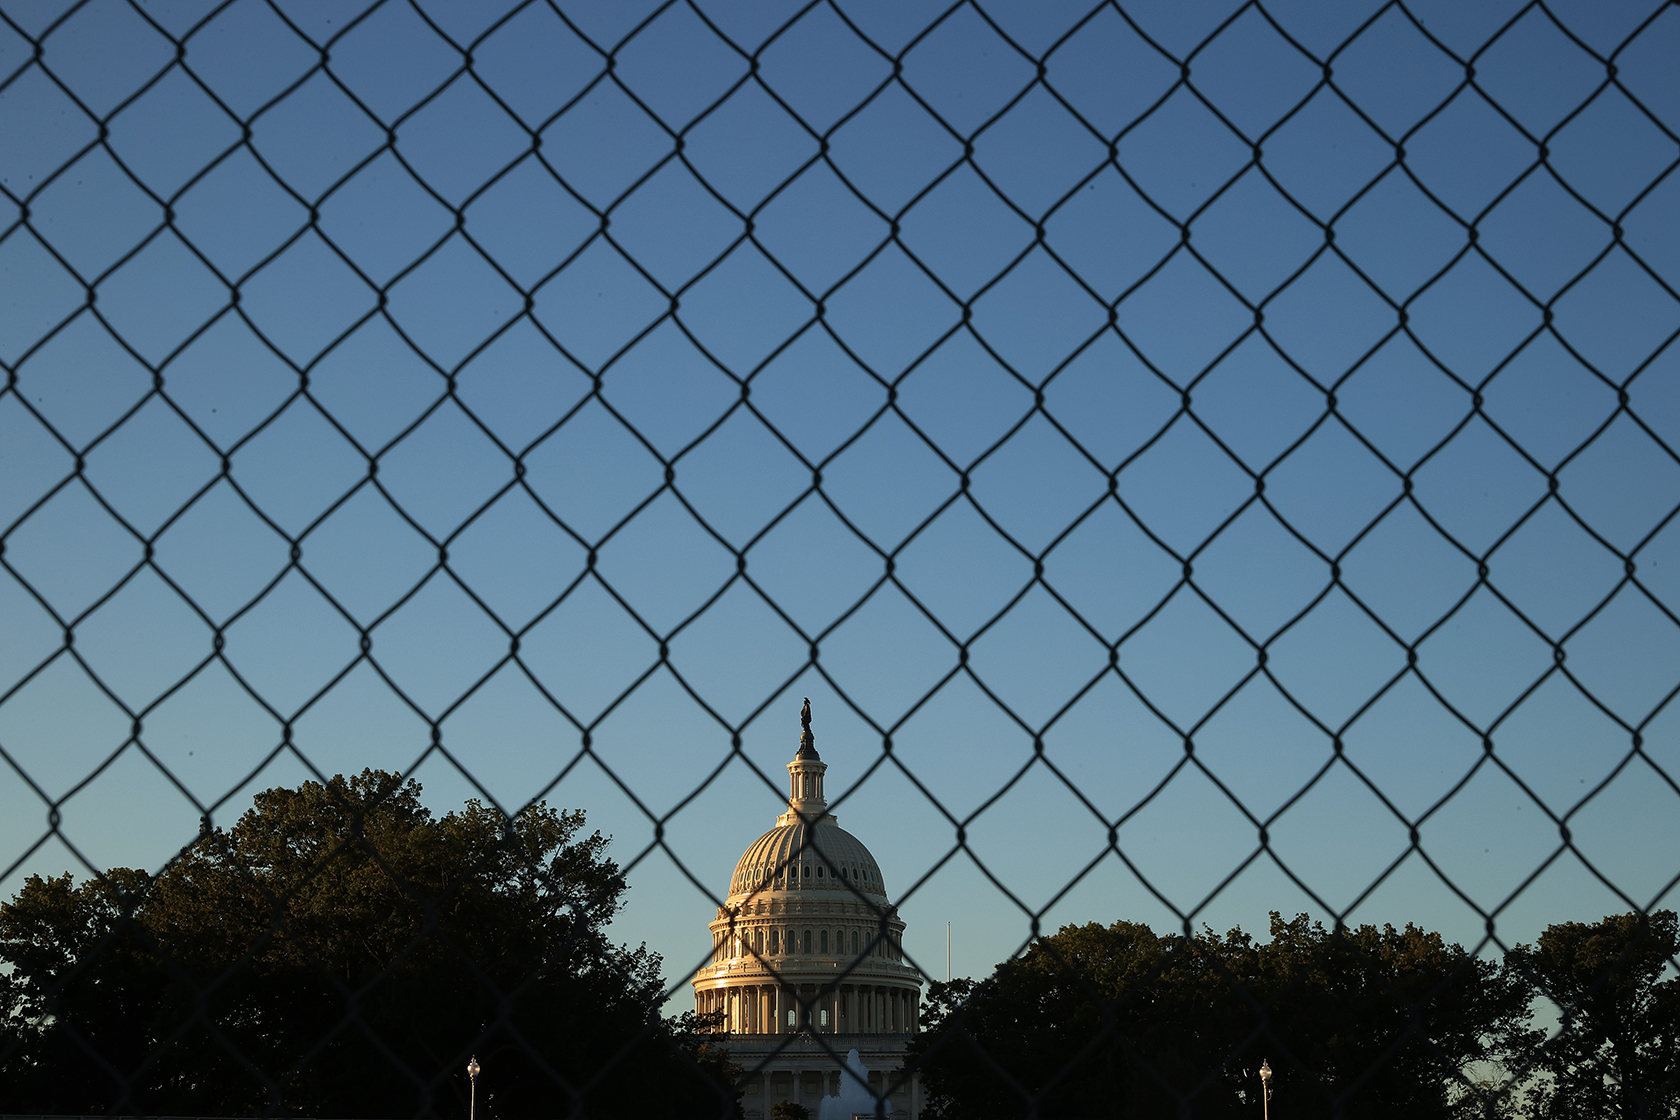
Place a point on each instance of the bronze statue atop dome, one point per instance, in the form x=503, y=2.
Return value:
x=807, y=741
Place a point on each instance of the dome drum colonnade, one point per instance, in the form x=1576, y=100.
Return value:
x=808, y=943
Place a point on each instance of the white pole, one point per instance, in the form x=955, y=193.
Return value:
x=947, y=952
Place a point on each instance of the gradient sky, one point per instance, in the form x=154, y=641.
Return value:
x=924, y=362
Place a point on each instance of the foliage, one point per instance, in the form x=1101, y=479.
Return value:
x=341, y=951
x=1617, y=1050
x=789, y=1110
x=1118, y=1021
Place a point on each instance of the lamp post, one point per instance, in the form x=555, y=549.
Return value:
x=1265, y=1090
x=472, y=1072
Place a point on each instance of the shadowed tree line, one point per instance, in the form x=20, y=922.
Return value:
x=341, y=951
x=1118, y=1021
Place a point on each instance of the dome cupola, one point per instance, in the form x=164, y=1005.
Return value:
x=805, y=794
x=807, y=851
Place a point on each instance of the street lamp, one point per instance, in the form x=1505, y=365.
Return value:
x=1265, y=1090
x=472, y=1072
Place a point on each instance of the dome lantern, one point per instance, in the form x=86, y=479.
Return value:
x=805, y=790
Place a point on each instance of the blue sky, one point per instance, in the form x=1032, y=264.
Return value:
x=1032, y=368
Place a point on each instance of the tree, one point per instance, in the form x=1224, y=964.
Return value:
x=1094, y=1021
x=1118, y=1021
x=789, y=1110
x=1617, y=1050
x=342, y=951
x=82, y=986
x=1385, y=1021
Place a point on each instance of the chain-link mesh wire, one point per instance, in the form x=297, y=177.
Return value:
x=543, y=188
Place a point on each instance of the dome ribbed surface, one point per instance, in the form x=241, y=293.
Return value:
x=792, y=853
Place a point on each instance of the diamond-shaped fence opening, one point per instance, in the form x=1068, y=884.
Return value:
x=1209, y=467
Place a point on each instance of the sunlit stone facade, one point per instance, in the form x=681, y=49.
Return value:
x=807, y=959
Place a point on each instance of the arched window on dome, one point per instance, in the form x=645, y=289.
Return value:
x=825, y=942
x=789, y=945
x=772, y=942
x=758, y=941
x=807, y=942
x=854, y=943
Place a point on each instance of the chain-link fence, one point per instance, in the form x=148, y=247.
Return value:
x=1203, y=460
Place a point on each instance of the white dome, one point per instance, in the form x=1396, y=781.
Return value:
x=793, y=859
x=808, y=942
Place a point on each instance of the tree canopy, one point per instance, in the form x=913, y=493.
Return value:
x=1119, y=1021
x=342, y=951
x=1617, y=1050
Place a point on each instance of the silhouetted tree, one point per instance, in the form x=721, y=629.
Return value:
x=1616, y=1055
x=1122, y=1022
x=341, y=952
x=789, y=1110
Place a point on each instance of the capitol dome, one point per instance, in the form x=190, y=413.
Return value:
x=808, y=941
x=807, y=856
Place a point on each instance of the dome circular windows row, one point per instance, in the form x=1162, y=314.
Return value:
x=775, y=941
x=855, y=875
